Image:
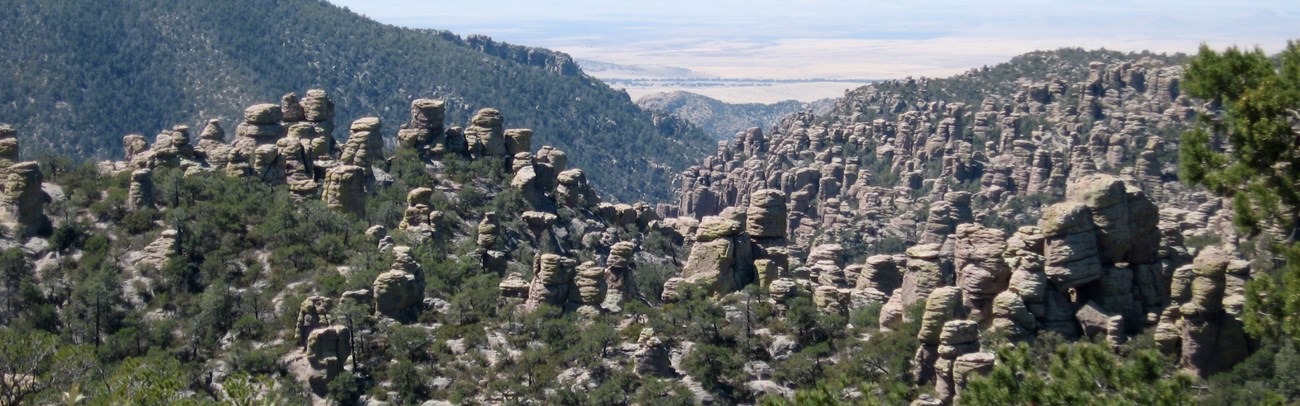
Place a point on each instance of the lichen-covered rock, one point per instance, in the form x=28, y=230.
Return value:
x=1096, y=321
x=710, y=264
x=418, y=215
x=958, y=337
x=590, y=281
x=531, y=185
x=618, y=275
x=263, y=114
x=981, y=270
x=1198, y=327
x=133, y=145
x=291, y=109
x=425, y=132
x=160, y=250
x=487, y=231
x=651, y=357
x=513, y=286
x=767, y=271
x=1012, y=318
x=1105, y=197
x=829, y=299
x=970, y=366
x=294, y=151
x=554, y=156
x=211, y=145
x=714, y=227
x=317, y=107
x=880, y=277
x=573, y=190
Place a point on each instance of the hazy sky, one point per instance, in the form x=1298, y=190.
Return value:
x=840, y=38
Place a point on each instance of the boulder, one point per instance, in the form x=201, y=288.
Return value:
x=398, y=295
x=328, y=350
x=22, y=200
x=766, y=215
x=344, y=189
x=365, y=144
x=141, y=190
x=519, y=141
x=1071, y=253
x=924, y=272
x=263, y=114
x=485, y=134
x=314, y=313
x=942, y=305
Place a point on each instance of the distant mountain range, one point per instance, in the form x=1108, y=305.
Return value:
x=723, y=120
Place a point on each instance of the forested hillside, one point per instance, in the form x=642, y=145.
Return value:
x=80, y=75
x=1070, y=227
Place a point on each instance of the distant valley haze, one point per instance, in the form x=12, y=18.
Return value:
x=767, y=50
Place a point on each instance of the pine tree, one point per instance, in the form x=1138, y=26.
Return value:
x=1250, y=152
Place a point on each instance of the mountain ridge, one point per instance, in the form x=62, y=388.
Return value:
x=83, y=76
x=723, y=120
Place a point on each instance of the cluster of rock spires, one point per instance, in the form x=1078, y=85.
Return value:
x=293, y=144
x=1073, y=225
x=962, y=190
x=886, y=154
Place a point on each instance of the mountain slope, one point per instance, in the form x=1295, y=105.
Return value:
x=79, y=76
x=723, y=120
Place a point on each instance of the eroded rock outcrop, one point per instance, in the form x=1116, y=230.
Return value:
x=22, y=202
x=425, y=132
x=485, y=135
x=553, y=283
x=399, y=292
x=141, y=190
x=1203, y=326
x=345, y=189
